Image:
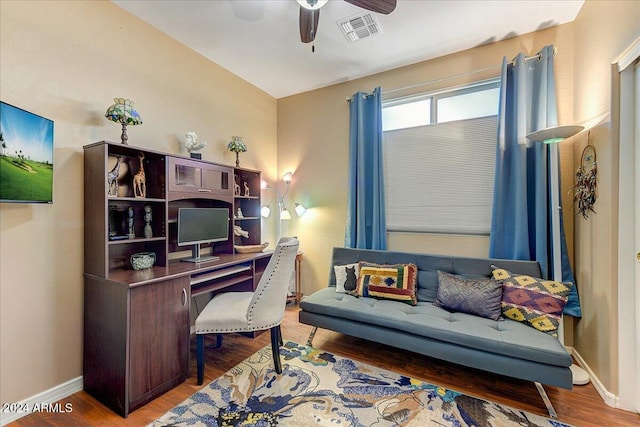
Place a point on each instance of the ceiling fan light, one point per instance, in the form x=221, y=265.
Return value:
x=312, y=4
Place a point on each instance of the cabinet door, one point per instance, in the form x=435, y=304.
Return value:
x=193, y=176
x=159, y=338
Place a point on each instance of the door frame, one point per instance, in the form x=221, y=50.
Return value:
x=628, y=243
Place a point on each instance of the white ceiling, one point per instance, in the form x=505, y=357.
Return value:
x=259, y=40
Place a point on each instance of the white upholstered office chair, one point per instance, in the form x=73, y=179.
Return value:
x=251, y=311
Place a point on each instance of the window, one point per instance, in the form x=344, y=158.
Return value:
x=439, y=152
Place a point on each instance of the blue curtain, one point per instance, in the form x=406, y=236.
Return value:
x=366, y=216
x=521, y=226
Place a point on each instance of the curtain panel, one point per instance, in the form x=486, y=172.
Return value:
x=366, y=216
x=521, y=224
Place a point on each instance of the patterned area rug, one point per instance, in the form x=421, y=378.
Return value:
x=317, y=388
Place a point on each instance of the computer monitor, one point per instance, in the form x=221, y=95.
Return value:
x=202, y=225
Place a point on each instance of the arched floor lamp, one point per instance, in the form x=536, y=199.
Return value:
x=554, y=135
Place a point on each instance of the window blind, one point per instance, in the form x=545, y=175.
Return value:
x=439, y=178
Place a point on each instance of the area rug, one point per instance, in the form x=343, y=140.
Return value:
x=317, y=388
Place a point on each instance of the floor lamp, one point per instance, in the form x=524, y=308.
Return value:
x=554, y=135
x=282, y=212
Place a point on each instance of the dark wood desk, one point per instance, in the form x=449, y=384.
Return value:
x=137, y=324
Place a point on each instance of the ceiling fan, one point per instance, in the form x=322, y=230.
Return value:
x=310, y=13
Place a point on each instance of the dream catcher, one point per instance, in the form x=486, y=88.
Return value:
x=586, y=189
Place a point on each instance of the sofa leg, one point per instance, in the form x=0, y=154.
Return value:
x=311, y=335
x=546, y=400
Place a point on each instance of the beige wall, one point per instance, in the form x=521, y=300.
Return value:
x=603, y=30
x=67, y=61
x=313, y=129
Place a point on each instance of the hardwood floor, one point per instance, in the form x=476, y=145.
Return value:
x=581, y=407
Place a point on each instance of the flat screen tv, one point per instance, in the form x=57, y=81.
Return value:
x=26, y=159
x=202, y=225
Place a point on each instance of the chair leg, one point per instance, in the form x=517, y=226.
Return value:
x=275, y=349
x=200, y=357
x=280, y=342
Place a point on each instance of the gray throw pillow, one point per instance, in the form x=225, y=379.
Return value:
x=480, y=297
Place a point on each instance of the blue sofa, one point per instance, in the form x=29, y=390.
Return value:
x=503, y=347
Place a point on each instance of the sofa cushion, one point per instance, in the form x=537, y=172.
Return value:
x=481, y=297
x=535, y=302
x=394, y=282
x=428, y=266
x=346, y=277
x=505, y=337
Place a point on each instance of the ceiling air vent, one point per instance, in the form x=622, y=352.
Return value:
x=359, y=26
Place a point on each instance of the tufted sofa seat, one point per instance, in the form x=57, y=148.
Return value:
x=503, y=347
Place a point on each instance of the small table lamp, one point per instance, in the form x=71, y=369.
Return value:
x=122, y=112
x=237, y=146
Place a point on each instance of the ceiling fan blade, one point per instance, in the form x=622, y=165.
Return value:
x=308, y=24
x=380, y=6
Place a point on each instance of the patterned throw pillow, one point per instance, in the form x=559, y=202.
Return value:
x=388, y=281
x=535, y=302
x=480, y=297
x=346, y=277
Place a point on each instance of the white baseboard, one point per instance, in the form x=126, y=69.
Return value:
x=608, y=397
x=50, y=396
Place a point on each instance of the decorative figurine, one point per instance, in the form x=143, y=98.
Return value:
x=236, y=187
x=132, y=233
x=246, y=189
x=139, y=180
x=112, y=178
x=239, y=214
x=148, y=232
x=238, y=231
x=115, y=221
x=237, y=146
x=192, y=144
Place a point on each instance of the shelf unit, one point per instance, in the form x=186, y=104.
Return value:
x=246, y=201
x=114, y=217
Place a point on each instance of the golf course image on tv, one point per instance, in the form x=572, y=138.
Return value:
x=26, y=156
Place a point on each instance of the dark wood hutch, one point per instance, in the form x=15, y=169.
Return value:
x=137, y=322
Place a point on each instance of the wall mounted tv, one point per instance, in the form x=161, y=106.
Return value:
x=26, y=156
x=202, y=225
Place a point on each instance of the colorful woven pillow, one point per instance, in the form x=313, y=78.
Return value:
x=480, y=297
x=536, y=302
x=346, y=277
x=391, y=281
